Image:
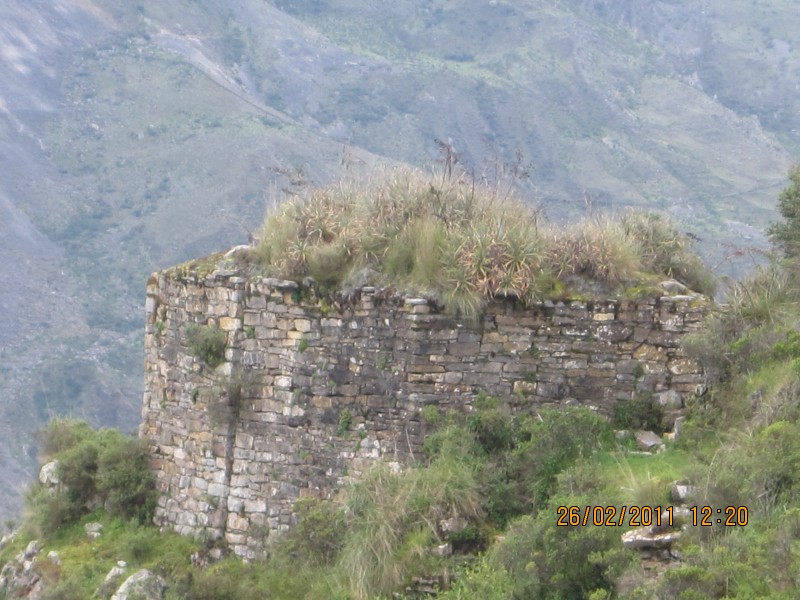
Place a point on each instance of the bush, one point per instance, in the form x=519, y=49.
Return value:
x=60, y=434
x=596, y=248
x=759, y=325
x=46, y=511
x=770, y=297
x=124, y=479
x=483, y=580
x=318, y=536
x=139, y=544
x=640, y=412
x=95, y=468
x=557, y=441
x=207, y=343
x=663, y=249
x=69, y=588
x=224, y=400
x=492, y=429
x=517, y=460
x=547, y=561
x=786, y=234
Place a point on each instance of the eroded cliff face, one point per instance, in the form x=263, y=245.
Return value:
x=305, y=397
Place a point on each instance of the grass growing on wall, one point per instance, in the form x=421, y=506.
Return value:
x=454, y=238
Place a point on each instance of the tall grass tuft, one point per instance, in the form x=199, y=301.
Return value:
x=394, y=518
x=453, y=238
x=597, y=248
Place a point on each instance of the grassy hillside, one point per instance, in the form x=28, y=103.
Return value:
x=477, y=514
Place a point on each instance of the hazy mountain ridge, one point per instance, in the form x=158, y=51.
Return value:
x=135, y=136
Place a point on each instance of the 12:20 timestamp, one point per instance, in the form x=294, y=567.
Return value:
x=729, y=516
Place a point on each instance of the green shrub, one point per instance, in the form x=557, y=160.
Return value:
x=60, y=434
x=548, y=561
x=207, y=343
x=786, y=234
x=328, y=264
x=431, y=415
x=225, y=399
x=140, y=544
x=70, y=588
x=711, y=346
x=124, y=479
x=96, y=469
x=345, y=422
x=47, y=511
x=689, y=583
x=597, y=248
x=664, y=250
x=639, y=412
x=318, y=536
x=761, y=471
x=492, y=429
x=77, y=472
x=769, y=297
x=517, y=460
x=557, y=440
x=482, y=580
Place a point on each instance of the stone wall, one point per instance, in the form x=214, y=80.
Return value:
x=308, y=397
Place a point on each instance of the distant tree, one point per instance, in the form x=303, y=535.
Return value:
x=785, y=235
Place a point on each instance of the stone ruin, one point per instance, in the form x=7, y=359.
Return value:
x=306, y=397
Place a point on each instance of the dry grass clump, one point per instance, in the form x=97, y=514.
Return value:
x=393, y=522
x=665, y=250
x=619, y=250
x=451, y=237
x=597, y=248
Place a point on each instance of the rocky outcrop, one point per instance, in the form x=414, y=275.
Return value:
x=19, y=577
x=25, y=577
x=655, y=541
x=142, y=585
x=48, y=474
x=293, y=397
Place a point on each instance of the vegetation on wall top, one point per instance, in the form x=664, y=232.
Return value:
x=464, y=242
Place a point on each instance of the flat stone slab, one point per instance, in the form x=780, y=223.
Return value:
x=642, y=539
x=647, y=440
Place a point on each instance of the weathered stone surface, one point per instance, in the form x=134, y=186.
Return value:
x=642, y=539
x=48, y=474
x=93, y=530
x=647, y=440
x=669, y=399
x=682, y=493
x=112, y=580
x=142, y=585
x=453, y=525
x=18, y=578
x=308, y=382
x=672, y=287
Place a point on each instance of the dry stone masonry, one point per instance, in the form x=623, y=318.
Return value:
x=306, y=397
